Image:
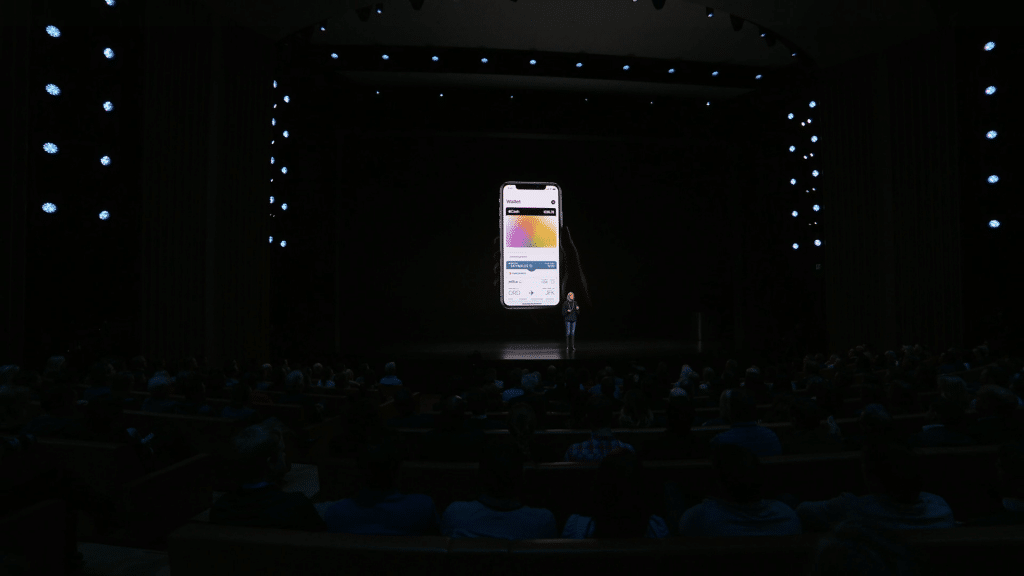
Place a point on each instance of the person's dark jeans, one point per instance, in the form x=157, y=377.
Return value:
x=570, y=328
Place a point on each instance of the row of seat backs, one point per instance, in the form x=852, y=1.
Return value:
x=964, y=477
x=203, y=549
x=147, y=505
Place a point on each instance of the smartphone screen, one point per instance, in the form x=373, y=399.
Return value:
x=529, y=225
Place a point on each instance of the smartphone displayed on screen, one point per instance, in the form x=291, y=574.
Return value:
x=529, y=225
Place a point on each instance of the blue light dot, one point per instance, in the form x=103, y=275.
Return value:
x=385, y=56
x=273, y=121
x=990, y=90
x=816, y=207
x=814, y=138
x=792, y=148
x=108, y=106
x=817, y=242
x=579, y=64
x=814, y=173
x=49, y=207
x=533, y=62
x=790, y=116
x=484, y=60
x=671, y=70
x=793, y=181
x=104, y=215
x=271, y=199
x=284, y=169
x=271, y=159
x=50, y=148
x=53, y=31
x=287, y=99
x=794, y=213
x=284, y=206
x=715, y=73
x=795, y=246
x=53, y=90
x=758, y=77
x=275, y=83
x=271, y=239
x=105, y=160
x=993, y=179
x=111, y=3
x=813, y=104
x=989, y=46
x=626, y=67
x=109, y=53
x=283, y=243
x=993, y=223
x=434, y=58
x=285, y=134
x=991, y=134
x=334, y=55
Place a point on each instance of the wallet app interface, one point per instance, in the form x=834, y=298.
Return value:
x=530, y=246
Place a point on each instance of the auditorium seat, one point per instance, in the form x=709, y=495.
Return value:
x=35, y=535
x=202, y=549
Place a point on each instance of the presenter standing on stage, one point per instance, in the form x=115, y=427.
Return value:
x=570, y=311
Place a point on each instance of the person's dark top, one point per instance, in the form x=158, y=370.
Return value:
x=1012, y=514
x=817, y=441
x=670, y=446
x=570, y=311
x=461, y=445
x=488, y=517
x=90, y=393
x=412, y=421
x=162, y=406
x=47, y=426
x=267, y=507
x=307, y=402
x=243, y=413
x=939, y=436
x=384, y=512
x=760, y=440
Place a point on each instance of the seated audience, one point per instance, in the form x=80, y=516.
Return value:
x=809, y=434
x=389, y=378
x=753, y=381
x=744, y=512
x=599, y=418
x=617, y=503
x=497, y=512
x=13, y=408
x=946, y=429
x=856, y=548
x=407, y=408
x=901, y=398
x=257, y=457
x=58, y=419
x=453, y=439
x=1010, y=480
x=723, y=411
x=240, y=407
x=294, y=386
x=995, y=423
x=231, y=375
x=477, y=401
x=876, y=427
x=160, y=389
x=676, y=443
x=895, y=500
x=636, y=411
x=513, y=388
x=194, y=390
x=744, y=430
x=522, y=423
x=98, y=380
x=379, y=508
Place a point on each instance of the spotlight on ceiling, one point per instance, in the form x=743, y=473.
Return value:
x=737, y=22
x=659, y=4
x=380, y=8
x=416, y=4
x=711, y=12
x=993, y=223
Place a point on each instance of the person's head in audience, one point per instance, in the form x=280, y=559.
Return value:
x=679, y=415
x=452, y=416
x=295, y=382
x=739, y=472
x=954, y=388
x=522, y=423
x=501, y=468
x=381, y=455
x=122, y=382
x=241, y=395
x=753, y=380
x=876, y=423
x=857, y=548
x=617, y=496
x=900, y=397
x=995, y=375
x=137, y=364
x=708, y=376
x=945, y=411
x=13, y=407
x=980, y=354
x=805, y=414
x=599, y=413
x=317, y=373
x=257, y=454
x=390, y=369
x=995, y=401
x=513, y=379
x=636, y=410
x=892, y=469
x=160, y=386
x=192, y=388
x=56, y=369
x=741, y=406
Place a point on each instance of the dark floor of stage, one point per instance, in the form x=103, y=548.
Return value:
x=552, y=350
